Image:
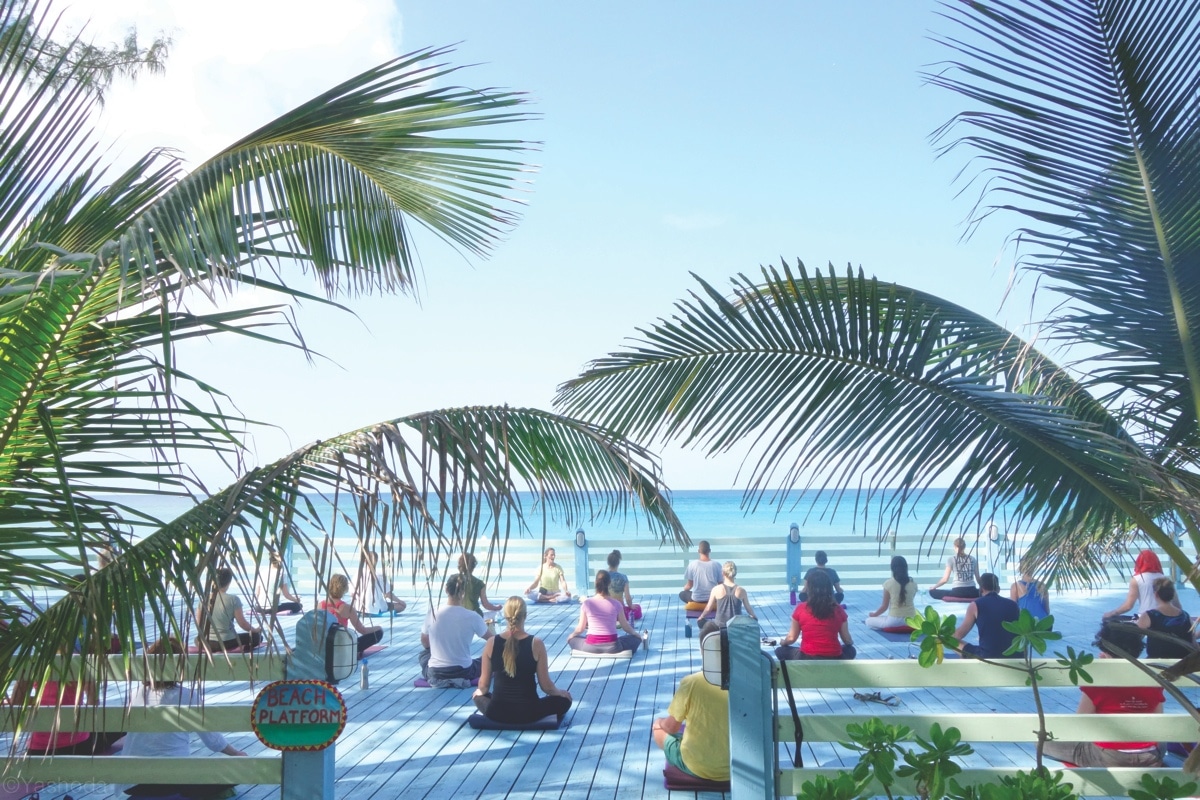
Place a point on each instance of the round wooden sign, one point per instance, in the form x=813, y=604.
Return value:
x=298, y=715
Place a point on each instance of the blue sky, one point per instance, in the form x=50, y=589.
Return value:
x=676, y=138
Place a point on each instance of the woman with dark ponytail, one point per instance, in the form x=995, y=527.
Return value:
x=899, y=592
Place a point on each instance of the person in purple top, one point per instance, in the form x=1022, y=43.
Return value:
x=989, y=613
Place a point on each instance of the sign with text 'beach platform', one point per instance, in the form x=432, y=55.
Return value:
x=298, y=715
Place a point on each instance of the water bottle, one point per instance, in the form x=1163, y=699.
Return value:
x=363, y=681
x=645, y=640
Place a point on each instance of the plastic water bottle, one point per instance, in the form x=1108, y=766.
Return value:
x=645, y=640
x=363, y=681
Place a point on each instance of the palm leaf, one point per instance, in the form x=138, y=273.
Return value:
x=1089, y=133
x=418, y=490
x=834, y=381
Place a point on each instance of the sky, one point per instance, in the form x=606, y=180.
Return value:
x=674, y=139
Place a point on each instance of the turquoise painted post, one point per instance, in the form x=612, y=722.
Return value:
x=752, y=748
x=308, y=775
x=581, y=564
x=793, y=561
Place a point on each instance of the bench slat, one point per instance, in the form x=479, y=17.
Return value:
x=118, y=769
x=1006, y=727
x=959, y=672
x=225, y=718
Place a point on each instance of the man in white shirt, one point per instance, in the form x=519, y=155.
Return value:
x=701, y=576
x=446, y=637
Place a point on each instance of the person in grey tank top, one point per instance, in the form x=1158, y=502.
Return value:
x=727, y=599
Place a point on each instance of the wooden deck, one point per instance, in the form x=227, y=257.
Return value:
x=404, y=742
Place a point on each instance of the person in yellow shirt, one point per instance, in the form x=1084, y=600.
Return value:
x=701, y=748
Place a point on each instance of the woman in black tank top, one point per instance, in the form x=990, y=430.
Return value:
x=517, y=662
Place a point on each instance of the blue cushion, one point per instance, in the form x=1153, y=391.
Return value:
x=481, y=723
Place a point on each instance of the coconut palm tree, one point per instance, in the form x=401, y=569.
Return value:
x=1086, y=127
x=99, y=280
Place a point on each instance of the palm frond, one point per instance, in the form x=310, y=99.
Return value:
x=336, y=183
x=834, y=381
x=418, y=490
x=1090, y=133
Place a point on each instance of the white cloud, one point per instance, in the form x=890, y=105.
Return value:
x=235, y=64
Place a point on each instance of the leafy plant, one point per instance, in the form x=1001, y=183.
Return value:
x=1164, y=788
x=934, y=763
x=878, y=745
x=1038, y=784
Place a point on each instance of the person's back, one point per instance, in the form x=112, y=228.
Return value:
x=704, y=575
x=451, y=630
x=1179, y=630
x=519, y=688
x=1032, y=600
x=993, y=611
x=729, y=605
x=602, y=613
x=705, y=708
x=694, y=735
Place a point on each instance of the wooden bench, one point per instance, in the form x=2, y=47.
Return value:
x=757, y=731
x=225, y=718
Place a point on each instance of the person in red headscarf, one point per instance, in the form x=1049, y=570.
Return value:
x=1146, y=570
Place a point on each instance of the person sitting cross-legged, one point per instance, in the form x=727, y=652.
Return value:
x=600, y=617
x=702, y=747
x=1114, y=643
x=822, y=560
x=818, y=623
x=446, y=638
x=988, y=613
x=347, y=616
x=699, y=579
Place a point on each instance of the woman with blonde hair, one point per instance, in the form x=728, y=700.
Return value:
x=1030, y=595
x=474, y=591
x=727, y=599
x=519, y=663
x=963, y=569
x=346, y=615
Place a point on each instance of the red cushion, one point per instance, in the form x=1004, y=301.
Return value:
x=953, y=598
x=676, y=779
x=898, y=629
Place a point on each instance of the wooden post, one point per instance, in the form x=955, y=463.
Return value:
x=308, y=775
x=581, y=564
x=752, y=748
x=793, y=561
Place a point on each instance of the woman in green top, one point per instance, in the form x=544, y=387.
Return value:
x=474, y=591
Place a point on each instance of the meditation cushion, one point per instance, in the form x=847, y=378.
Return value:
x=696, y=615
x=951, y=598
x=677, y=780
x=897, y=629
x=481, y=723
x=373, y=649
x=421, y=683
x=581, y=654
